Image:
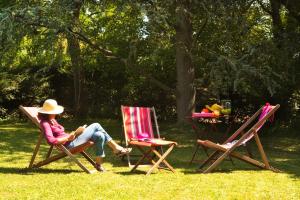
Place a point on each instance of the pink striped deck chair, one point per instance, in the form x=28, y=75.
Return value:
x=138, y=130
x=240, y=137
x=32, y=114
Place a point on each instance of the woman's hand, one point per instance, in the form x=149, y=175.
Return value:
x=71, y=137
x=79, y=130
x=65, y=139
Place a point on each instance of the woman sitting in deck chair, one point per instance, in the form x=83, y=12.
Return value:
x=55, y=133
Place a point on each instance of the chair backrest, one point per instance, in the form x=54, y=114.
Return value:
x=265, y=110
x=263, y=117
x=137, y=122
x=263, y=114
x=32, y=114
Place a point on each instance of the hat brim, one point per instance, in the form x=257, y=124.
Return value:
x=57, y=110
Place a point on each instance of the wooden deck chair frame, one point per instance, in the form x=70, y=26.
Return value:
x=63, y=151
x=149, y=150
x=220, y=152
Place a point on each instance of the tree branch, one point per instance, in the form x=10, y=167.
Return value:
x=107, y=53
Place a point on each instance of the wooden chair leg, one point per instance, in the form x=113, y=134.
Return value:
x=49, y=152
x=65, y=150
x=216, y=163
x=261, y=151
x=150, y=158
x=141, y=159
x=88, y=158
x=49, y=160
x=160, y=160
x=226, y=153
x=131, y=165
x=253, y=161
x=164, y=160
x=241, y=157
x=37, y=147
x=210, y=157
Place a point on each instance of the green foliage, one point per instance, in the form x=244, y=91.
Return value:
x=23, y=86
x=128, y=53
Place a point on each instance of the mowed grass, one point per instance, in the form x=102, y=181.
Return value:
x=65, y=180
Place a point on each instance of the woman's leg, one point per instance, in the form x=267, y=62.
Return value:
x=115, y=147
x=96, y=133
x=101, y=137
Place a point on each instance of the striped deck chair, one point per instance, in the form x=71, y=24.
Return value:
x=229, y=147
x=139, y=133
x=32, y=114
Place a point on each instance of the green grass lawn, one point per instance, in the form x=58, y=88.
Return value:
x=65, y=180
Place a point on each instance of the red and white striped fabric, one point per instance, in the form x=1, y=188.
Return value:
x=137, y=122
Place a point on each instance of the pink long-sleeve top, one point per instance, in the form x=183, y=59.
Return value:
x=52, y=130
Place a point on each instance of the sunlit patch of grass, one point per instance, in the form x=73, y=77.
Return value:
x=65, y=180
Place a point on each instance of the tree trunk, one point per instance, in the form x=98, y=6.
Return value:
x=185, y=91
x=276, y=20
x=76, y=60
x=74, y=51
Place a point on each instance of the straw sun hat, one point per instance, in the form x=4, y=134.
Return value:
x=50, y=107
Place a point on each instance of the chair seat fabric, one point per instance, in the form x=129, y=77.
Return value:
x=82, y=147
x=151, y=142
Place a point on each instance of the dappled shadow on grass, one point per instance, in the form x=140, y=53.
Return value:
x=144, y=169
x=286, y=163
x=195, y=171
x=27, y=171
x=279, y=158
x=178, y=158
x=229, y=169
x=18, y=138
x=283, y=151
x=129, y=173
x=181, y=156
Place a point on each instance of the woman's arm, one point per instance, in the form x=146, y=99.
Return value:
x=63, y=140
x=51, y=139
